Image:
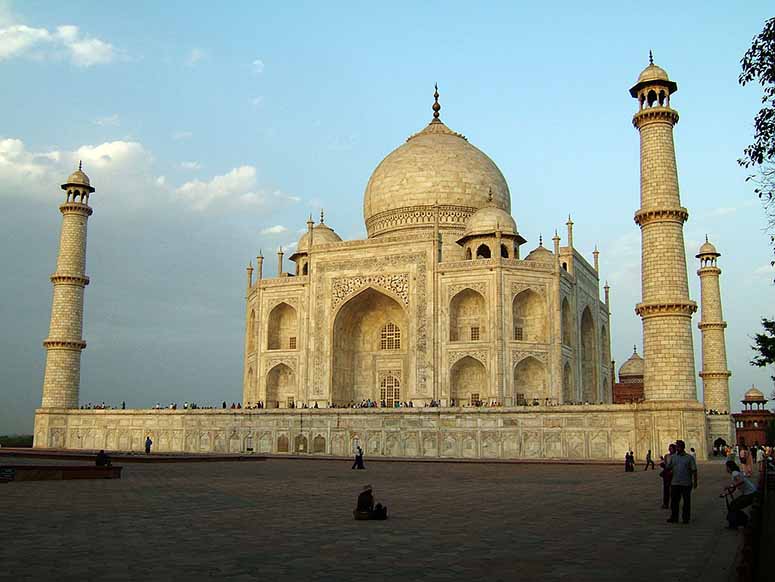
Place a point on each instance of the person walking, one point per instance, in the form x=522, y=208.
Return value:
x=667, y=477
x=358, y=464
x=649, y=461
x=684, y=479
x=148, y=443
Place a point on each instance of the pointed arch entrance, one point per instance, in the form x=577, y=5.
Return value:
x=530, y=381
x=370, y=332
x=468, y=382
x=280, y=387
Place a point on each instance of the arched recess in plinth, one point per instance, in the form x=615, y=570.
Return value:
x=589, y=391
x=369, y=327
x=530, y=381
x=468, y=381
x=280, y=387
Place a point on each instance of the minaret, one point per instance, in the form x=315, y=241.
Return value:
x=64, y=343
x=714, y=374
x=665, y=309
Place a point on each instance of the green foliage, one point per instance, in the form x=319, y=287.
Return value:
x=16, y=440
x=764, y=345
x=758, y=65
x=769, y=432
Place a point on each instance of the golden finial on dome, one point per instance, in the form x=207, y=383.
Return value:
x=436, y=106
x=80, y=165
x=651, y=58
x=322, y=216
x=540, y=240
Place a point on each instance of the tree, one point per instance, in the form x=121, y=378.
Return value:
x=764, y=345
x=758, y=65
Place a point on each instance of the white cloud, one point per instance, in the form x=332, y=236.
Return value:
x=111, y=165
x=276, y=229
x=113, y=155
x=108, y=121
x=66, y=41
x=256, y=101
x=195, y=57
x=181, y=135
x=764, y=270
x=161, y=181
x=238, y=182
x=190, y=165
x=258, y=66
x=723, y=211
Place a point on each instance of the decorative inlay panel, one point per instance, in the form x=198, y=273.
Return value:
x=453, y=290
x=518, y=287
x=396, y=283
x=481, y=355
x=518, y=355
x=290, y=361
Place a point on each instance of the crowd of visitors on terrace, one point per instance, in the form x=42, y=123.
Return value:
x=468, y=403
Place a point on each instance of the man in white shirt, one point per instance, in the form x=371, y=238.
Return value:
x=684, y=469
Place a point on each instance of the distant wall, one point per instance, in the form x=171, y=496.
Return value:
x=555, y=432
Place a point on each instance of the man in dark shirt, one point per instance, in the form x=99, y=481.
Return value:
x=102, y=459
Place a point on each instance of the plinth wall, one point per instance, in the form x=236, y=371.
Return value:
x=556, y=432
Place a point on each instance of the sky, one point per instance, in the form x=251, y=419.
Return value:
x=211, y=131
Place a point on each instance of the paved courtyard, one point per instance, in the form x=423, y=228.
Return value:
x=291, y=520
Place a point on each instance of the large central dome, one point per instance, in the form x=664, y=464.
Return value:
x=434, y=167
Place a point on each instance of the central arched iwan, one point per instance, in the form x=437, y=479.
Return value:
x=370, y=327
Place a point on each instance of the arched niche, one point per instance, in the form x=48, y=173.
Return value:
x=567, y=323
x=282, y=329
x=568, y=389
x=589, y=392
x=468, y=381
x=280, y=387
x=467, y=317
x=363, y=328
x=530, y=380
x=604, y=347
x=483, y=252
x=252, y=331
x=529, y=311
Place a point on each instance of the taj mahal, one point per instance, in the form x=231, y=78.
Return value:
x=469, y=343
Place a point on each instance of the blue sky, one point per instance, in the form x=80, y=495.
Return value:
x=211, y=131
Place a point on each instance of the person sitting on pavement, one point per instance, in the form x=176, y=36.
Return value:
x=365, y=508
x=742, y=484
x=103, y=460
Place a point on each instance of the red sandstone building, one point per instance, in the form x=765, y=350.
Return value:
x=751, y=423
x=629, y=388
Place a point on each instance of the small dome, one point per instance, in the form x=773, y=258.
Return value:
x=754, y=394
x=540, y=253
x=653, y=73
x=632, y=367
x=708, y=249
x=322, y=235
x=78, y=178
x=490, y=219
